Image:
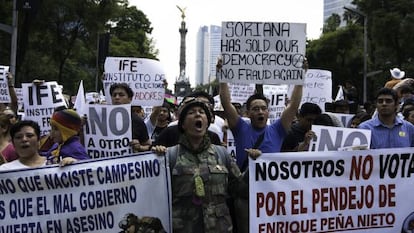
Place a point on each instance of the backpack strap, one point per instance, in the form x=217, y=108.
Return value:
x=172, y=153
x=222, y=153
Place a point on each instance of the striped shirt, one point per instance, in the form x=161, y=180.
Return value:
x=401, y=134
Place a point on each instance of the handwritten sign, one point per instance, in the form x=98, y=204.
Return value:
x=108, y=131
x=4, y=87
x=40, y=102
x=346, y=191
x=263, y=52
x=144, y=76
x=277, y=95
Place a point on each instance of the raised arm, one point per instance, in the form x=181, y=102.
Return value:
x=230, y=111
x=290, y=112
x=13, y=95
x=288, y=115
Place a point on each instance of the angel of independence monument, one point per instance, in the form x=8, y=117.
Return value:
x=182, y=84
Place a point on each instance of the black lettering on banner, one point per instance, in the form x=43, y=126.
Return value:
x=7, y=186
x=396, y=165
x=295, y=169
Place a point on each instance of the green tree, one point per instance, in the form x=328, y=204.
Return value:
x=340, y=52
x=332, y=23
x=60, y=42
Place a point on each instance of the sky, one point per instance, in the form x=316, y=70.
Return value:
x=165, y=19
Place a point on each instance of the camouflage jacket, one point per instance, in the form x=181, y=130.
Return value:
x=201, y=182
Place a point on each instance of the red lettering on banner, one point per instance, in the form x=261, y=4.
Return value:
x=341, y=198
x=271, y=203
x=386, y=196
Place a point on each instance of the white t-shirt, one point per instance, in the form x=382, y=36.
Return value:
x=15, y=164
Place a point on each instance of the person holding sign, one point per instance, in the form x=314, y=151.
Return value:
x=300, y=134
x=169, y=136
x=247, y=134
x=67, y=147
x=121, y=93
x=7, y=151
x=13, y=105
x=25, y=138
x=158, y=121
x=257, y=136
x=388, y=130
x=203, y=175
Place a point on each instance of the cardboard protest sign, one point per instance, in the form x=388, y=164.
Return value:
x=347, y=191
x=317, y=88
x=330, y=138
x=263, y=52
x=89, y=196
x=277, y=95
x=144, y=76
x=4, y=86
x=108, y=131
x=40, y=102
x=240, y=92
x=344, y=118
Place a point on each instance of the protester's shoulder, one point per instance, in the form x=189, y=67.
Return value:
x=16, y=164
x=368, y=124
x=135, y=118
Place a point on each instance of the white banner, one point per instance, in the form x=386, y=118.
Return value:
x=347, y=191
x=90, y=196
x=144, y=76
x=263, y=52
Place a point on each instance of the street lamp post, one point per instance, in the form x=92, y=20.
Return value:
x=13, y=31
x=360, y=13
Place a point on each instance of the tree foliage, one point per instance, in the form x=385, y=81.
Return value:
x=59, y=42
x=390, y=35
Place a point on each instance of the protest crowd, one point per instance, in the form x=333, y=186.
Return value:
x=135, y=159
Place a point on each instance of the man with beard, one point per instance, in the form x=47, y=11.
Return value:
x=388, y=130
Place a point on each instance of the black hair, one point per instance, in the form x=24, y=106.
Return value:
x=408, y=102
x=19, y=125
x=406, y=112
x=405, y=89
x=128, y=220
x=308, y=108
x=124, y=86
x=387, y=91
x=323, y=119
x=201, y=94
x=257, y=96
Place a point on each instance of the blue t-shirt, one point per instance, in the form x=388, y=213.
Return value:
x=245, y=136
x=400, y=135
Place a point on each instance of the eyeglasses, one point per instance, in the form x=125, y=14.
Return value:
x=11, y=116
x=387, y=101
